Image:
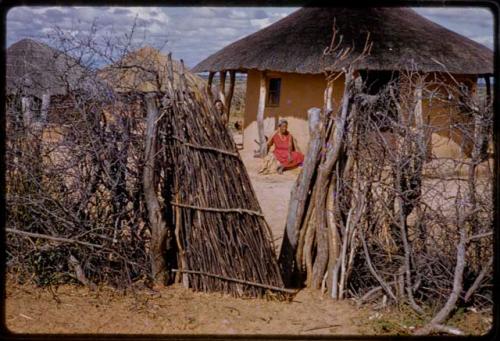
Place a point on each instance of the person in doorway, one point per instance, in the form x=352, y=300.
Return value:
x=221, y=110
x=285, y=151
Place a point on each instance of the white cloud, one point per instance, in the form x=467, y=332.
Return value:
x=261, y=23
x=193, y=33
x=473, y=22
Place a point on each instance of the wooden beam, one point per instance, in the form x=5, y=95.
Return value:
x=222, y=86
x=329, y=96
x=488, y=88
x=260, y=115
x=26, y=104
x=423, y=133
x=230, y=92
x=209, y=85
x=149, y=181
x=45, y=108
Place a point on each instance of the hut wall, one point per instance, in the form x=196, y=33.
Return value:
x=299, y=92
x=447, y=141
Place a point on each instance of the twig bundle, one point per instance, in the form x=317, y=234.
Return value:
x=219, y=225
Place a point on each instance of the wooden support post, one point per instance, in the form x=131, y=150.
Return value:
x=170, y=75
x=424, y=134
x=45, y=108
x=488, y=89
x=222, y=86
x=230, y=92
x=158, y=230
x=209, y=86
x=329, y=97
x=260, y=115
x=26, y=104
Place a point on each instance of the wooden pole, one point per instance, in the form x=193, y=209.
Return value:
x=299, y=198
x=260, y=115
x=26, y=103
x=222, y=86
x=424, y=140
x=45, y=108
x=158, y=230
x=488, y=88
x=230, y=92
x=209, y=86
x=329, y=96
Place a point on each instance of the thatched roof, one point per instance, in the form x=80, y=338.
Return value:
x=137, y=71
x=34, y=68
x=400, y=37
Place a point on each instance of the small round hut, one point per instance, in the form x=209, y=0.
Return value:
x=285, y=61
x=140, y=72
x=41, y=78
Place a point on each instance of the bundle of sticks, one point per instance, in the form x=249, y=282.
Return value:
x=223, y=241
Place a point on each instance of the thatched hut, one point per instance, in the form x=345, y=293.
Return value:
x=140, y=72
x=284, y=62
x=143, y=71
x=42, y=78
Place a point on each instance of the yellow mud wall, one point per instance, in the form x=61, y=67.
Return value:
x=299, y=93
x=443, y=119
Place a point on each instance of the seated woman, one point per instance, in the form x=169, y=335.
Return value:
x=285, y=152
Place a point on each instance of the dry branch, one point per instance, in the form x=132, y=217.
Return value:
x=56, y=239
x=236, y=280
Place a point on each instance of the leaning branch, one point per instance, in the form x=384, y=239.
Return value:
x=56, y=239
x=260, y=285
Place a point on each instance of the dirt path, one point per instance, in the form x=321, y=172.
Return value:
x=174, y=310
x=273, y=193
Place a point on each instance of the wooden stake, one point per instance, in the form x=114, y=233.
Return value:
x=158, y=230
x=26, y=103
x=299, y=197
x=419, y=122
x=209, y=86
x=222, y=86
x=329, y=96
x=488, y=88
x=45, y=108
x=260, y=115
x=229, y=94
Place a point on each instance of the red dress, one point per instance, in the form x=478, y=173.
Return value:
x=281, y=151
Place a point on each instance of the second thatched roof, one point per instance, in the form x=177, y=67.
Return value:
x=143, y=70
x=401, y=38
x=34, y=68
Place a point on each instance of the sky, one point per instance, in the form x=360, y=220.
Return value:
x=193, y=33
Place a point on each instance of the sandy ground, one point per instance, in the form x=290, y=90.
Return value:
x=71, y=309
x=273, y=193
x=175, y=310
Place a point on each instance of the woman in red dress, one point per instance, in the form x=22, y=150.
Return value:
x=284, y=150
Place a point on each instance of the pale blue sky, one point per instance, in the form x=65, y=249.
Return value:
x=193, y=33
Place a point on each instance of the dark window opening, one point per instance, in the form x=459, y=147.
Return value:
x=375, y=83
x=273, y=97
